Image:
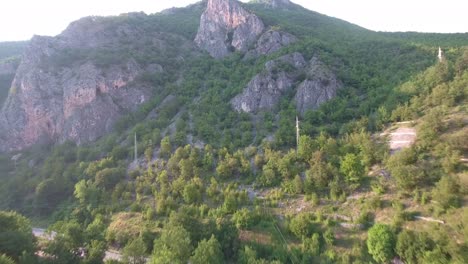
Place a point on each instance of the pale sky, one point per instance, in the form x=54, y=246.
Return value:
x=21, y=19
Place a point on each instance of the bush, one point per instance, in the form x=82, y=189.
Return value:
x=302, y=225
x=380, y=243
x=447, y=192
x=243, y=218
x=15, y=235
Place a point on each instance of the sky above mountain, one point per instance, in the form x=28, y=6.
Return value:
x=21, y=19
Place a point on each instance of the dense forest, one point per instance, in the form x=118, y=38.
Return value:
x=212, y=185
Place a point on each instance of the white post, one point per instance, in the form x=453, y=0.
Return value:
x=297, y=133
x=440, y=56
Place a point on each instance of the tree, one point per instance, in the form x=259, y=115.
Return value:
x=166, y=147
x=164, y=256
x=411, y=247
x=192, y=194
x=173, y=244
x=230, y=202
x=87, y=193
x=380, y=242
x=320, y=173
x=298, y=185
x=15, y=235
x=302, y=225
x=135, y=252
x=352, y=168
x=311, y=244
x=96, y=251
x=228, y=236
x=47, y=196
x=4, y=259
x=329, y=237
x=447, y=192
x=68, y=246
x=249, y=256
x=306, y=148
x=243, y=218
x=208, y=252
x=436, y=256
x=109, y=177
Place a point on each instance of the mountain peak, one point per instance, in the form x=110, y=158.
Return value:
x=226, y=27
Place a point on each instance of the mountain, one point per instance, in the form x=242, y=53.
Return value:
x=229, y=132
x=77, y=85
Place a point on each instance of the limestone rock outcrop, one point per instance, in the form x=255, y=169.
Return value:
x=65, y=87
x=282, y=75
x=276, y=3
x=320, y=86
x=79, y=103
x=225, y=27
x=279, y=3
x=270, y=42
x=264, y=91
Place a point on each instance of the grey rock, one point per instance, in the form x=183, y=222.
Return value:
x=276, y=3
x=78, y=104
x=280, y=3
x=154, y=68
x=294, y=59
x=320, y=86
x=272, y=41
x=78, y=101
x=264, y=91
x=226, y=27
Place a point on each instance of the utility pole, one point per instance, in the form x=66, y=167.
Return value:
x=297, y=134
x=441, y=55
x=136, y=150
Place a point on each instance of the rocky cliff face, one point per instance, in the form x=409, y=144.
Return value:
x=77, y=103
x=270, y=42
x=226, y=27
x=265, y=90
x=280, y=3
x=276, y=3
x=320, y=86
x=60, y=92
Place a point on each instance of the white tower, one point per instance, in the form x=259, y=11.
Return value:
x=440, y=56
x=297, y=134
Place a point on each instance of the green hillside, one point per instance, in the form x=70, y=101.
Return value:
x=212, y=185
x=11, y=49
x=10, y=52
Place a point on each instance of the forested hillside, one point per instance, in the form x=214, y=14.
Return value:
x=10, y=53
x=211, y=184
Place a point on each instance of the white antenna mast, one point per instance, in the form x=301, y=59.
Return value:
x=440, y=56
x=297, y=134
